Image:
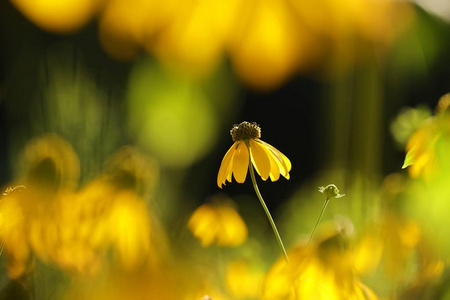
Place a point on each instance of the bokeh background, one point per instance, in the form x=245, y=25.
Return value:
x=115, y=116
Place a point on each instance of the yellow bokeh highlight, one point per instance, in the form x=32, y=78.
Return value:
x=266, y=45
x=195, y=41
x=59, y=16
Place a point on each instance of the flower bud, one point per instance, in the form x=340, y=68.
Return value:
x=331, y=191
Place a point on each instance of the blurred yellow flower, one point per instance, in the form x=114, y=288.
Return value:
x=427, y=148
x=129, y=229
x=77, y=231
x=60, y=16
x=13, y=232
x=105, y=217
x=321, y=271
x=420, y=155
x=266, y=41
x=218, y=222
x=243, y=280
x=267, y=160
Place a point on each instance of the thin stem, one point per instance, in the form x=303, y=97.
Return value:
x=318, y=220
x=266, y=210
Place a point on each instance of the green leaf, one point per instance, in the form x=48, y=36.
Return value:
x=409, y=159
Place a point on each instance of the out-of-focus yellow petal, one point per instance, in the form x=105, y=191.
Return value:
x=363, y=292
x=218, y=222
x=130, y=229
x=260, y=159
x=243, y=281
x=202, y=224
x=240, y=162
x=13, y=234
x=233, y=229
x=224, y=170
x=367, y=253
x=278, y=283
x=195, y=39
x=60, y=16
x=266, y=48
x=123, y=26
x=421, y=150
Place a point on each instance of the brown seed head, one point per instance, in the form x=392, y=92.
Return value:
x=245, y=131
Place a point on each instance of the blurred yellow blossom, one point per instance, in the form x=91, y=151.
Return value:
x=321, y=271
x=130, y=168
x=243, y=280
x=129, y=229
x=427, y=148
x=50, y=163
x=218, y=223
x=73, y=230
x=196, y=36
x=60, y=16
x=267, y=160
x=13, y=232
x=266, y=41
x=106, y=216
x=268, y=44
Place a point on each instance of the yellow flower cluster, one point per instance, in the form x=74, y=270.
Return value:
x=266, y=41
x=49, y=219
x=325, y=270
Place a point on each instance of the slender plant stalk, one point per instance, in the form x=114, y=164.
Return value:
x=318, y=220
x=266, y=210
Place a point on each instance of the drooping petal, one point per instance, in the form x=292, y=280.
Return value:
x=282, y=161
x=260, y=159
x=225, y=166
x=274, y=168
x=240, y=162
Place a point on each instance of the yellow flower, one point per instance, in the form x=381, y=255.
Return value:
x=78, y=231
x=218, y=222
x=243, y=279
x=427, y=148
x=267, y=160
x=324, y=270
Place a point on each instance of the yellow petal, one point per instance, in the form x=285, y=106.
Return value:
x=130, y=229
x=274, y=168
x=260, y=159
x=229, y=171
x=224, y=170
x=282, y=161
x=240, y=162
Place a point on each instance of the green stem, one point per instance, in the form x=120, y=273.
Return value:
x=318, y=220
x=266, y=210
